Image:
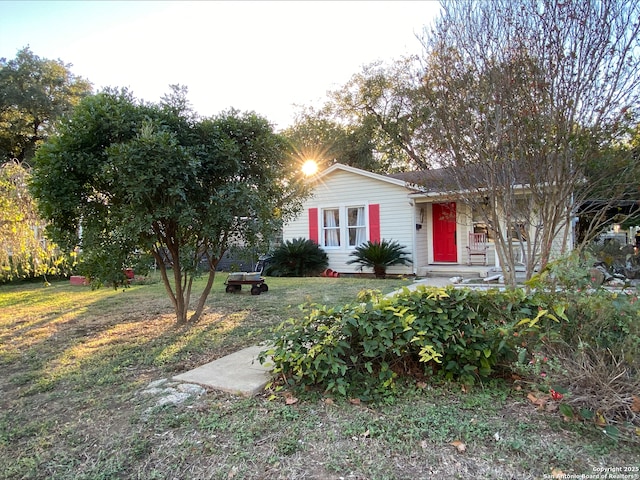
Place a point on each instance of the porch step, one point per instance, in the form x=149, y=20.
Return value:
x=464, y=271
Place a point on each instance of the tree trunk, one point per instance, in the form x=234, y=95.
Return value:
x=177, y=295
x=203, y=297
x=505, y=256
x=380, y=271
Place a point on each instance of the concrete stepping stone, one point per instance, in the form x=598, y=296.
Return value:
x=239, y=373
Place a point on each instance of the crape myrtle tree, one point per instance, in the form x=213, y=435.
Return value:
x=520, y=101
x=123, y=176
x=34, y=93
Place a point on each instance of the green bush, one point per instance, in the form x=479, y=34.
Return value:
x=379, y=256
x=44, y=264
x=598, y=346
x=297, y=258
x=605, y=319
x=361, y=349
x=566, y=334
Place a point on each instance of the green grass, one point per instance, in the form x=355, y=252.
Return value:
x=75, y=360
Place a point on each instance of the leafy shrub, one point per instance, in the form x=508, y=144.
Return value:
x=45, y=263
x=596, y=316
x=361, y=349
x=379, y=256
x=107, y=266
x=297, y=258
x=568, y=272
x=598, y=346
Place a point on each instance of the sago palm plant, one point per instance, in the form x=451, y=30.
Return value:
x=297, y=258
x=379, y=256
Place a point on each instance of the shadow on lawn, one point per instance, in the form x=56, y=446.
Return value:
x=106, y=337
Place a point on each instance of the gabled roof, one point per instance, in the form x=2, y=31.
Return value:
x=428, y=180
x=421, y=182
x=447, y=179
x=357, y=171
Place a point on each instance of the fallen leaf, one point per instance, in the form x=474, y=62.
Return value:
x=290, y=400
x=600, y=420
x=567, y=412
x=612, y=431
x=461, y=447
x=557, y=473
x=328, y=401
x=421, y=385
x=635, y=405
x=354, y=401
x=517, y=388
x=539, y=401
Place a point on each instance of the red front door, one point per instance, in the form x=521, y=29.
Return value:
x=444, y=232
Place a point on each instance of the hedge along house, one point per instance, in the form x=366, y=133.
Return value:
x=349, y=206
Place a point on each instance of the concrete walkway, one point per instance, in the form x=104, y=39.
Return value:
x=242, y=374
x=239, y=373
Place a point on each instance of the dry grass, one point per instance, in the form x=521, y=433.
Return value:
x=75, y=360
x=601, y=382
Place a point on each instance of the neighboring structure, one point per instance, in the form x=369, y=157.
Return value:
x=350, y=206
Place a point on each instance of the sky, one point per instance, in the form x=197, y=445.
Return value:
x=262, y=56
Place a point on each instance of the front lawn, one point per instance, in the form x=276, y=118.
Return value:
x=74, y=362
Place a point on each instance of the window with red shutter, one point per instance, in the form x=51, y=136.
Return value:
x=374, y=222
x=313, y=224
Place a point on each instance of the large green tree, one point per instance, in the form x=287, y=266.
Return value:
x=315, y=135
x=514, y=97
x=387, y=95
x=122, y=176
x=34, y=93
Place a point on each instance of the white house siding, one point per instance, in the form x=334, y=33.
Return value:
x=423, y=239
x=465, y=226
x=558, y=244
x=340, y=189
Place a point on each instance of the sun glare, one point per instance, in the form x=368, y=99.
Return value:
x=310, y=167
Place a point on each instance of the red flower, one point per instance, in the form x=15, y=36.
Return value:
x=555, y=395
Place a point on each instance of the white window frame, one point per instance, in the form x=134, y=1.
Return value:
x=343, y=228
x=326, y=230
x=363, y=228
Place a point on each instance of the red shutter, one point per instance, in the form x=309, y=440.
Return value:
x=313, y=224
x=374, y=222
